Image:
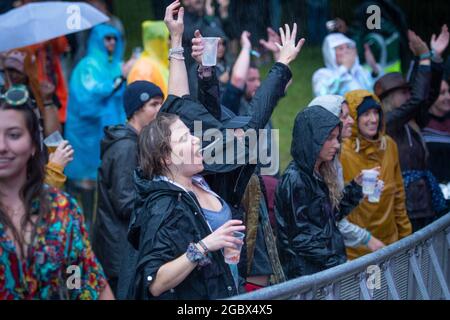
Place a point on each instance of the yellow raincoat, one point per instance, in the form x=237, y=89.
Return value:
x=153, y=65
x=386, y=220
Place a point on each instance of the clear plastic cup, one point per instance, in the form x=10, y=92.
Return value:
x=52, y=141
x=369, y=181
x=233, y=255
x=209, y=57
x=376, y=195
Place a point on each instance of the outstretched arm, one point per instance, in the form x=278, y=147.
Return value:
x=178, y=79
x=273, y=87
x=242, y=64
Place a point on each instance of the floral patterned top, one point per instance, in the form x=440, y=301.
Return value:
x=60, y=263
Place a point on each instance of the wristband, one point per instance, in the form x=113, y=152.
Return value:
x=203, y=245
x=427, y=55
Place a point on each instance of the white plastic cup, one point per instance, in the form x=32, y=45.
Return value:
x=52, y=141
x=233, y=255
x=209, y=57
x=376, y=195
x=369, y=181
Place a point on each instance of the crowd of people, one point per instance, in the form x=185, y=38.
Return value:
x=129, y=201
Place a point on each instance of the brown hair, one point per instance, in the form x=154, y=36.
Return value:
x=154, y=145
x=33, y=189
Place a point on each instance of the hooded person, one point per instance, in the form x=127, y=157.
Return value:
x=153, y=65
x=95, y=101
x=342, y=71
x=370, y=147
x=354, y=236
x=119, y=156
x=308, y=200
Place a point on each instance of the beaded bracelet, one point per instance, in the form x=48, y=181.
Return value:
x=195, y=256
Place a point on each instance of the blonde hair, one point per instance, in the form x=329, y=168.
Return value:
x=330, y=175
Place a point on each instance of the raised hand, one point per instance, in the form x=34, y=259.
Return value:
x=370, y=59
x=175, y=26
x=197, y=47
x=440, y=43
x=271, y=44
x=416, y=44
x=288, y=49
x=245, y=40
x=63, y=154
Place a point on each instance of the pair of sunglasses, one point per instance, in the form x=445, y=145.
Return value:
x=16, y=95
x=109, y=38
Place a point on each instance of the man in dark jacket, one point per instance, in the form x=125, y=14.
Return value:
x=406, y=106
x=308, y=238
x=119, y=154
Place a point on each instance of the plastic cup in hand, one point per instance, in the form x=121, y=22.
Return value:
x=233, y=255
x=52, y=141
x=375, y=196
x=209, y=56
x=369, y=181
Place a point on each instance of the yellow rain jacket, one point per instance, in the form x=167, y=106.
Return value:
x=153, y=65
x=386, y=220
x=54, y=175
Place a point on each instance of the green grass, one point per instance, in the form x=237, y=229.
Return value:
x=298, y=96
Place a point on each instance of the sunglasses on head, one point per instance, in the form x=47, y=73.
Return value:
x=16, y=95
x=110, y=38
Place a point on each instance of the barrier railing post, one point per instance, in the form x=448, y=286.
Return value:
x=390, y=281
x=418, y=276
x=438, y=271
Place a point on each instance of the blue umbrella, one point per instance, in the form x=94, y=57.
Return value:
x=38, y=22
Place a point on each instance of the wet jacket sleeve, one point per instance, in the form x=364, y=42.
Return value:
x=165, y=247
x=209, y=93
x=398, y=117
x=54, y=175
x=437, y=73
x=231, y=98
x=267, y=96
x=354, y=236
x=352, y=196
x=122, y=184
x=401, y=217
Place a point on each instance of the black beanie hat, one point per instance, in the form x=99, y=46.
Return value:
x=368, y=103
x=137, y=94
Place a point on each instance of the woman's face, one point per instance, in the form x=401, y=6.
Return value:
x=221, y=49
x=331, y=146
x=342, y=51
x=16, y=146
x=442, y=105
x=368, y=123
x=186, y=155
x=347, y=121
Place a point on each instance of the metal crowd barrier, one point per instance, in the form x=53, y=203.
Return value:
x=414, y=268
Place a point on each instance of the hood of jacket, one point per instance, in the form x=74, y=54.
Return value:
x=96, y=46
x=114, y=134
x=311, y=129
x=354, y=99
x=328, y=49
x=332, y=103
x=155, y=37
